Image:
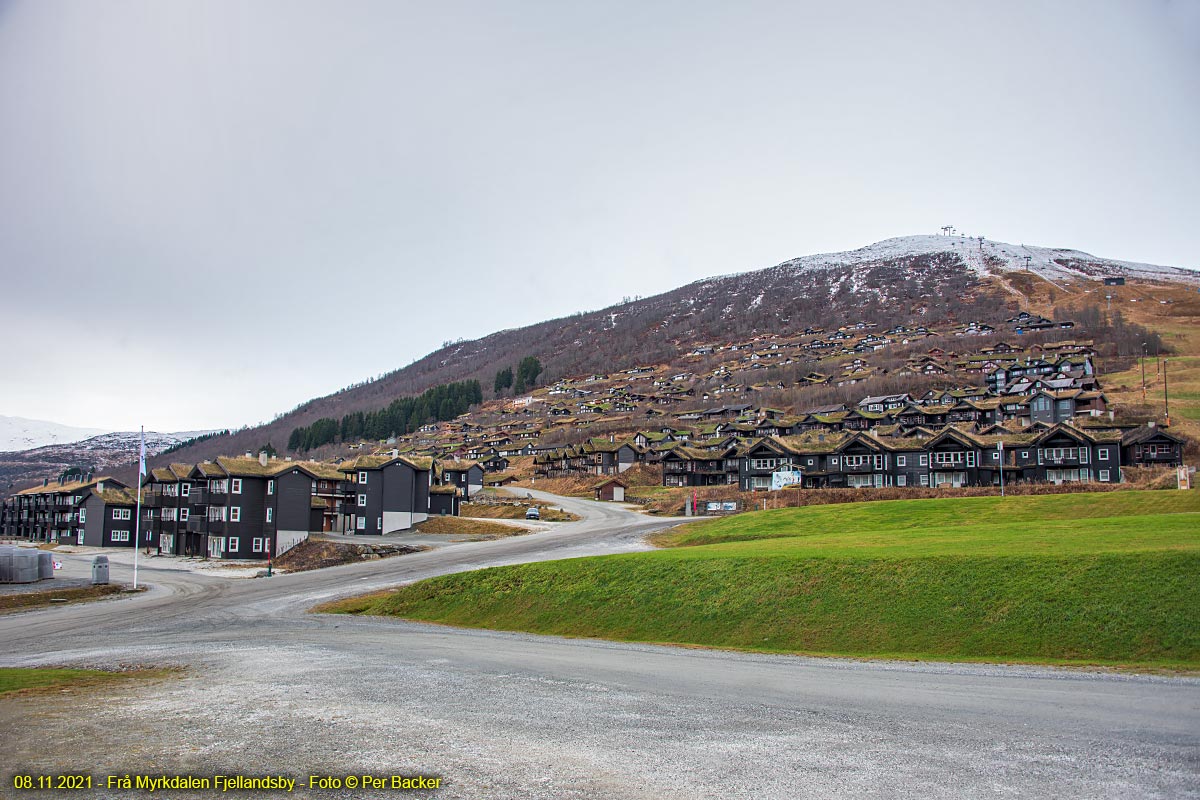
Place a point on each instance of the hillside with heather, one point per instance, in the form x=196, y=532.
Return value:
x=917, y=292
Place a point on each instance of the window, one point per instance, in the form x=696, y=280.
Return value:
x=121, y=513
x=270, y=514
x=183, y=514
x=120, y=536
x=810, y=462
x=924, y=463
x=762, y=463
x=362, y=477
x=82, y=515
x=361, y=523
x=235, y=514
x=901, y=461
x=270, y=487
x=379, y=523
x=924, y=480
x=996, y=456
x=1104, y=476
x=1102, y=454
x=1024, y=454
x=362, y=500
x=231, y=544
x=901, y=480
x=185, y=490
x=236, y=488
x=260, y=545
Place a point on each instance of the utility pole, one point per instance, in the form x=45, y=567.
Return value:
x=1143, y=372
x=1166, y=408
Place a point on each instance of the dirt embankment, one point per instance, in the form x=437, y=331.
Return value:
x=317, y=554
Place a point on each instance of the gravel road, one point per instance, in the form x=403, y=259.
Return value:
x=271, y=689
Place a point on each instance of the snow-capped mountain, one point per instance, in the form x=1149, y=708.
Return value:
x=984, y=256
x=934, y=281
x=18, y=433
x=103, y=453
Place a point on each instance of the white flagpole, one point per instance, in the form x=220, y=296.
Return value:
x=137, y=524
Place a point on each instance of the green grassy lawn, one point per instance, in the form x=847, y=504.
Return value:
x=1085, y=578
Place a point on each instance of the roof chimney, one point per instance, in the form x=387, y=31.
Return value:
x=45, y=482
x=249, y=454
x=262, y=458
x=100, y=486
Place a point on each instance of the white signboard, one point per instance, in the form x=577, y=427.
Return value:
x=784, y=478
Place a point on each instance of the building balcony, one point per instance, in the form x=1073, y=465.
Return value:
x=197, y=525
x=155, y=499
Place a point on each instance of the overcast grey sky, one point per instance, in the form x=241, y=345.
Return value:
x=211, y=211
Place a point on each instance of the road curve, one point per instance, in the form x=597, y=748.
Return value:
x=272, y=689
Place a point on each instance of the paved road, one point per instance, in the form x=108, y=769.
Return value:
x=272, y=689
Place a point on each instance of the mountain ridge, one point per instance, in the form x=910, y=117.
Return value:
x=926, y=280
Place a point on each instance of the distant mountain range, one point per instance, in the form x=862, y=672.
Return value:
x=18, y=433
x=98, y=453
x=924, y=280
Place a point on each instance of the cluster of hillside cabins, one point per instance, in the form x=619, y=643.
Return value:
x=244, y=507
x=952, y=455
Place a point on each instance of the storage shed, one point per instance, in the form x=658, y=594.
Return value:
x=612, y=489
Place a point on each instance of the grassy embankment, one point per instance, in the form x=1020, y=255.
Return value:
x=1080, y=578
x=56, y=597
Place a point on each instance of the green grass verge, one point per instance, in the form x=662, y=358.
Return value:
x=23, y=680
x=1099, y=579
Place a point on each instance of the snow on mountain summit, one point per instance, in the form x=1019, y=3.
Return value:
x=984, y=256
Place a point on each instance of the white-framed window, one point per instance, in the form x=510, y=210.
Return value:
x=361, y=524
x=231, y=544
x=1024, y=454
x=1104, y=476
x=362, y=500
x=236, y=486
x=901, y=461
x=121, y=513
x=1102, y=455
x=270, y=514
x=259, y=545
x=810, y=462
x=902, y=480
x=763, y=463
x=924, y=462
x=924, y=480
x=120, y=536
x=270, y=487
x=183, y=514
x=996, y=456
x=235, y=514
x=833, y=460
x=362, y=476
x=185, y=490
x=168, y=514
x=379, y=523
x=82, y=515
